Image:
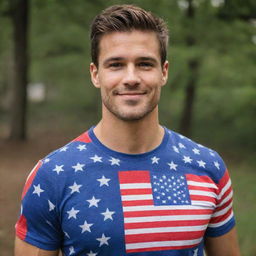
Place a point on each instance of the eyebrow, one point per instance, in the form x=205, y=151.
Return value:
x=112, y=59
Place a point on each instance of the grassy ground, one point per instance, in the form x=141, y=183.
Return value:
x=244, y=179
x=16, y=160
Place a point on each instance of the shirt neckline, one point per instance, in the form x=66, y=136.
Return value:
x=117, y=154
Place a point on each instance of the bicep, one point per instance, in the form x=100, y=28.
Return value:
x=225, y=245
x=24, y=249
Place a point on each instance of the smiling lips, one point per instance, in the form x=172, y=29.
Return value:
x=133, y=93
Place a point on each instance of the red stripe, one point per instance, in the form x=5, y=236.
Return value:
x=224, y=180
x=137, y=191
x=160, y=248
x=83, y=138
x=134, y=177
x=167, y=212
x=192, y=177
x=30, y=179
x=138, y=202
x=224, y=205
x=203, y=198
x=165, y=236
x=21, y=227
x=159, y=224
x=214, y=190
x=221, y=217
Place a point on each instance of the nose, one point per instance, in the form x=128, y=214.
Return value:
x=131, y=77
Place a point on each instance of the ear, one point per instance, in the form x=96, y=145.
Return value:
x=165, y=69
x=94, y=75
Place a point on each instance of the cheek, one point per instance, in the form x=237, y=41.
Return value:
x=109, y=80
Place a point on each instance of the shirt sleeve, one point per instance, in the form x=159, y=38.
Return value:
x=222, y=220
x=38, y=223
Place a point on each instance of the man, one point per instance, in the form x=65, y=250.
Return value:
x=128, y=186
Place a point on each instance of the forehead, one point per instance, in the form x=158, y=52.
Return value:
x=131, y=44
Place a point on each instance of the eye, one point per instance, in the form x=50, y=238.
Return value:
x=145, y=64
x=115, y=65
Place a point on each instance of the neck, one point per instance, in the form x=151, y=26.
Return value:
x=134, y=137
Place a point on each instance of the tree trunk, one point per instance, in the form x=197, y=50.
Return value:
x=18, y=109
x=190, y=91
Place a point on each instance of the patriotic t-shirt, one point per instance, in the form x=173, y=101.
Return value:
x=87, y=199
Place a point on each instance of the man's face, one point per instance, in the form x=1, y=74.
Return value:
x=129, y=74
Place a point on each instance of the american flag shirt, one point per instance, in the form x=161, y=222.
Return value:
x=87, y=199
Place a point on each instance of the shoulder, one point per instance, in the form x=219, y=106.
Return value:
x=200, y=159
x=60, y=164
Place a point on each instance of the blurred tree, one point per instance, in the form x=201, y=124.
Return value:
x=19, y=12
x=193, y=65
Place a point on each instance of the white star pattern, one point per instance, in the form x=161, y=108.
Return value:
x=78, y=167
x=114, y=161
x=212, y=154
x=81, y=147
x=71, y=250
x=66, y=234
x=195, y=252
x=75, y=188
x=51, y=206
x=103, y=240
x=201, y=163
x=64, y=149
x=196, y=151
x=187, y=159
x=175, y=149
x=103, y=181
x=46, y=160
x=107, y=214
x=155, y=160
x=85, y=227
x=93, y=202
x=96, y=158
x=181, y=145
x=37, y=190
x=173, y=166
x=72, y=213
x=58, y=169
x=92, y=253
x=217, y=165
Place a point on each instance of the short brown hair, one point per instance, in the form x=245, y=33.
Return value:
x=122, y=18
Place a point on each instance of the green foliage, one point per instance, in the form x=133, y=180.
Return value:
x=224, y=106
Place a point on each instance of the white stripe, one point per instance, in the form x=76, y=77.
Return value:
x=163, y=229
x=160, y=207
x=202, y=184
x=218, y=224
x=203, y=203
x=223, y=211
x=136, y=197
x=224, y=189
x=202, y=193
x=166, y=218
x=226, y=199
x=162, y=244
x=135, y=185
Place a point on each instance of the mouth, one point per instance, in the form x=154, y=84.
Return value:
x=131, y=94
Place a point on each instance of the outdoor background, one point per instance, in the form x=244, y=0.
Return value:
x=210, y=95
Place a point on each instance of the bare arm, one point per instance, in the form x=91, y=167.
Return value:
x=226, y=245
x=24, y=249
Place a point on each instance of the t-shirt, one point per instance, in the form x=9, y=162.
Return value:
x=87, y=199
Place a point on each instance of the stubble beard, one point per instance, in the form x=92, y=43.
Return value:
x=129, y=116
